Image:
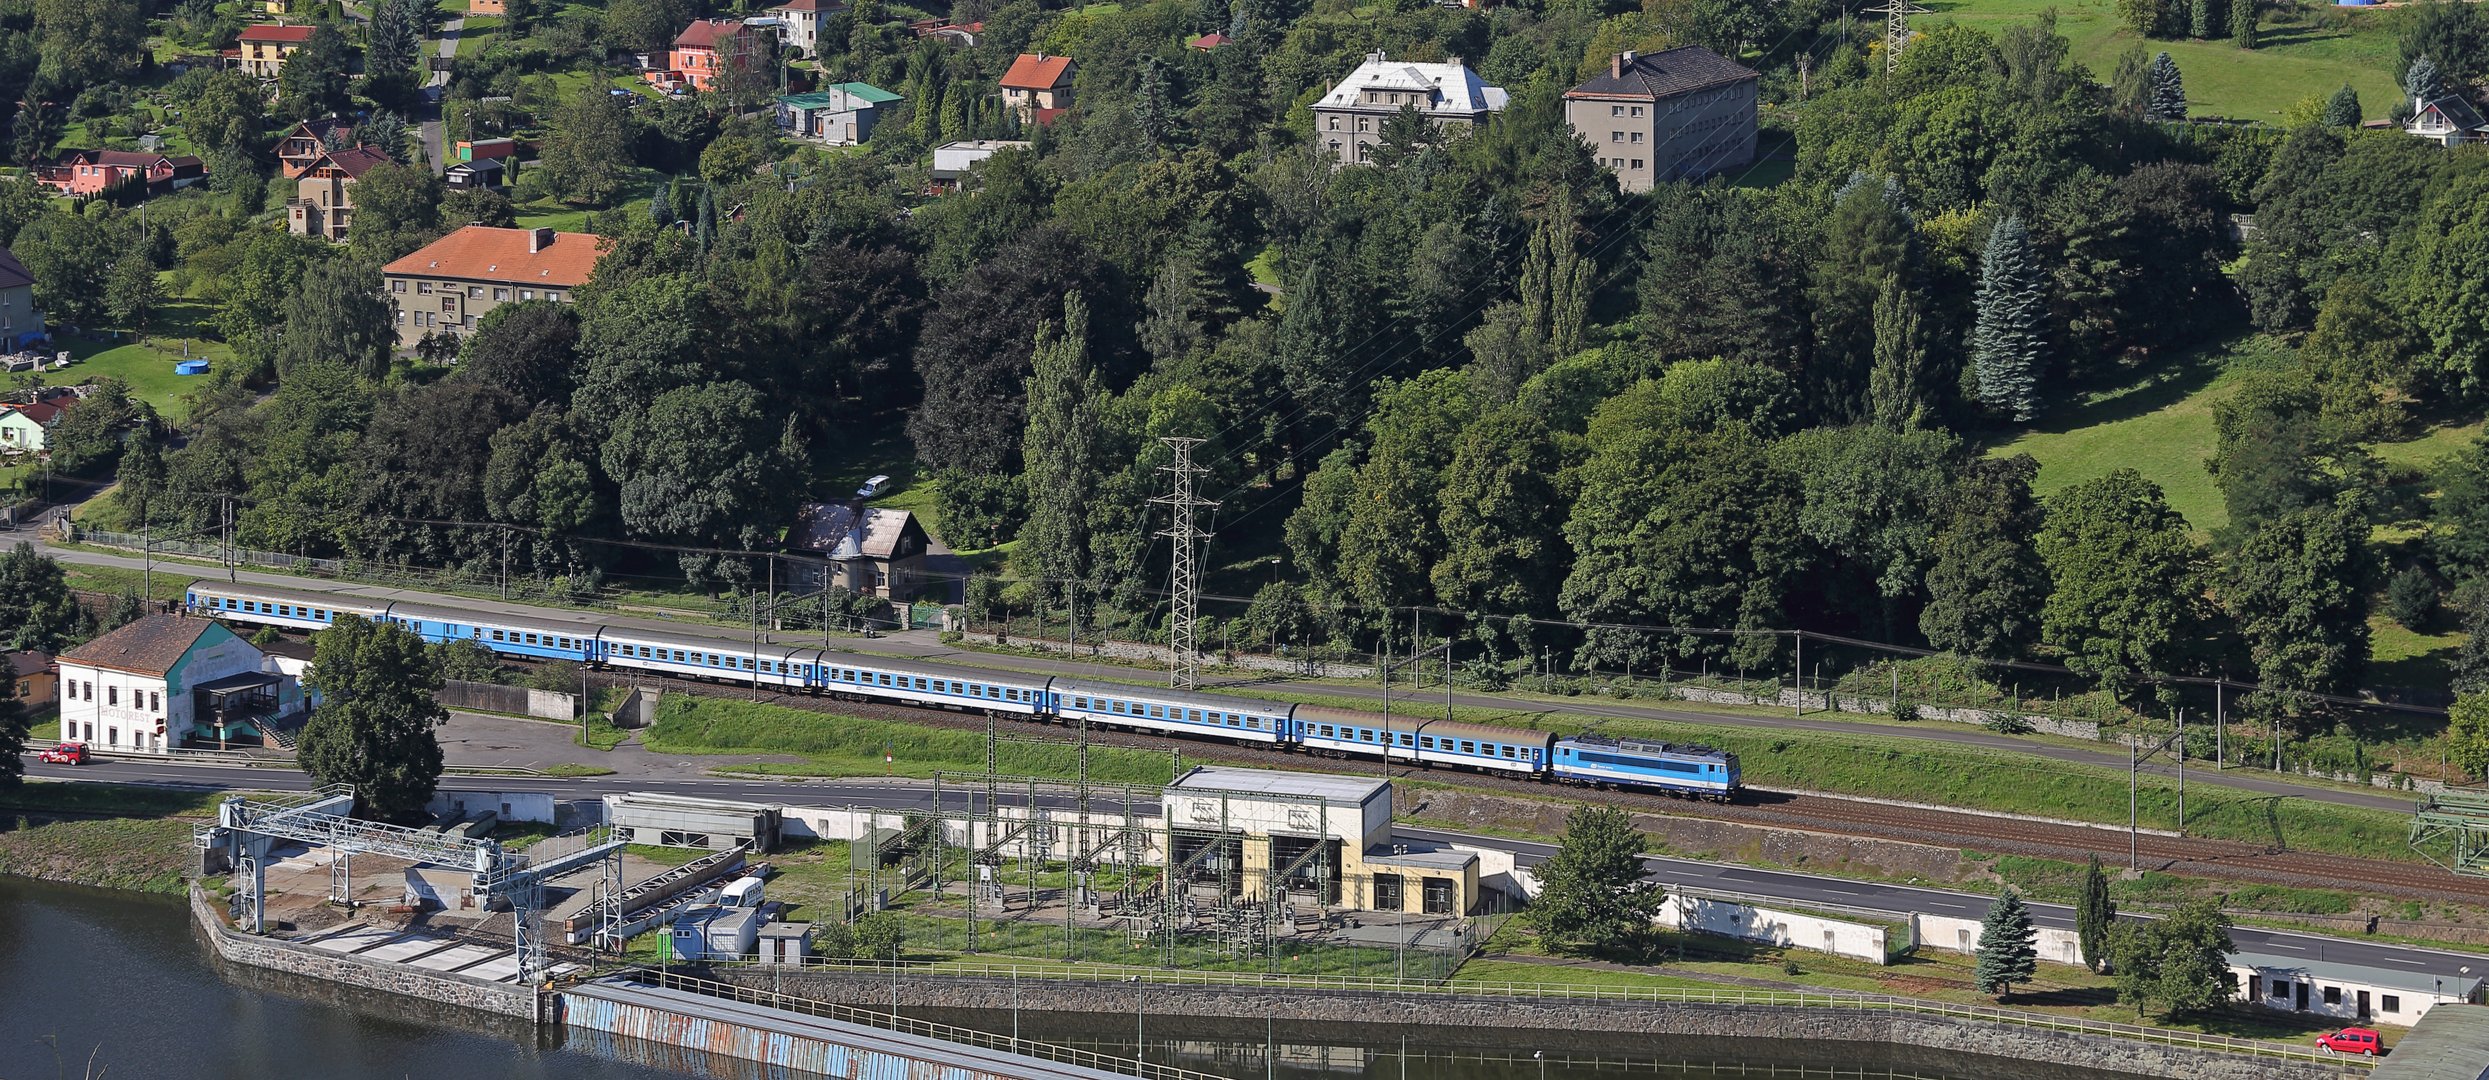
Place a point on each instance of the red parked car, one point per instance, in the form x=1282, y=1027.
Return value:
x=68, y=753
x=2352, y=1041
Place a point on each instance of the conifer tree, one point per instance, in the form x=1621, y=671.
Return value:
x=1151, y=107
x=1060, y=445
x=2420, y=80
x=2342, y=109
x=2007, y=342
x=1555, y=283
x=2204, y=19
x=661, y=209
x=2094, y=913
x=706, y=229
x=2243, y=23
x=2008, y=952
x=1896, y=385
x=2169, y=95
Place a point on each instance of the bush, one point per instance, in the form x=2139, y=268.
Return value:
x=2413, y=598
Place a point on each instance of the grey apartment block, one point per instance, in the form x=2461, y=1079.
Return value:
x=1348, y=120
x=1686, y=112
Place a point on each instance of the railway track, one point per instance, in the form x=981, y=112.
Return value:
x=2219, y=859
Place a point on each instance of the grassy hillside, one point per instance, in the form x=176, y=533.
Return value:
x=2161, y=425
x=2305, y=50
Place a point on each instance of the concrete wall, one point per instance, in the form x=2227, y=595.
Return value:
x=2109, y=1055
x=1949, y=934
x=510, y=700
x=436, y=986
x=1705, y=915
x=532, y=806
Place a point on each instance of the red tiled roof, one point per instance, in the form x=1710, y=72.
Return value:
x=705, y=33
x=353, y=161
x=810, y=5
x=277, y=32
x=1038, y=71
x=1207, y=42
x=39, y=412
x=483, y=253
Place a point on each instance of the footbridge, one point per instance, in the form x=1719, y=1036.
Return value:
x=247, y=829
x=805, y=1036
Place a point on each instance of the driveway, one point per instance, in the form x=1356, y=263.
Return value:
x=435, y=148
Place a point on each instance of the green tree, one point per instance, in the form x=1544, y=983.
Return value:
x=2467, y=734
x=35, y=128
x=374, y=726
x=2342, y=109
x=1395, y=535
x=338, y=315
x=2412, y=599
x=590, y=139
x=2298, y=591
x=2145, y=17
x=1867, y=239
x=397, y=208
x=37, y=611
x=2007, y=951
x=141, y=474
x=70, y=257
x=2179, y=963
x=2009, y=344
x=2455, y=37
x=2168, y=102
x=395, y=37
x=1061, y=447
x=2126, y=580
x=85, y=42
x=2204, y=18
x=1868, y=502
x=644, y=25
x=1988, y=583
x=1592, y=893
x=703, y=466
x=2094, y=914
x=227, y=113
x=133, y=294
x=15, y=723
x=1899, y=393
x=2272, y=452
x=313, y=81
x=1503, y=551
x=1682, y=529
x=2243, y=16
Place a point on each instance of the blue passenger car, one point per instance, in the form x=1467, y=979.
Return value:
x=295, y=609
x=508, y=635
x=1174, y=711
x=921, y=683
x=1676, y=769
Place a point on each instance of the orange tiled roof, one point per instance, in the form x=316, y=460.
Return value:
x=1037, y=71
x=483, y=253
x=277, y=32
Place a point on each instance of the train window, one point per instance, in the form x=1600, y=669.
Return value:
x=1404, y=738
x=1326, y=731
x=958, y=689
x=747, y=663
x=885, y=680
x=1426, y=742
x=1468, y=747
x=1230, y=718
x=1507, y=751
x=1080, y=702
x=497, y=635
x=251, y=606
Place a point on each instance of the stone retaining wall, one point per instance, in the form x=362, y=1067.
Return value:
x=1939, y=1033
x=443, y=987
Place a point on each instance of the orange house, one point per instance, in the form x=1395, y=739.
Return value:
x=700, y=53
x=1038, y=87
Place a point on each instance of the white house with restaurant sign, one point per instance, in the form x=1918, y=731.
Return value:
x=149, y=685
x=2351, y=992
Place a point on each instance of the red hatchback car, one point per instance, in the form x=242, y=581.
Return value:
x=2352, y=1041
x=68, y=753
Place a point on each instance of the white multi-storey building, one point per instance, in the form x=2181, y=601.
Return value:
x=137, y=688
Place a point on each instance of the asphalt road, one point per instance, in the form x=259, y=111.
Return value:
x=927, y=645
x=1800, y=889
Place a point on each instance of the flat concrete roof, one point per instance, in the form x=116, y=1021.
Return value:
x=2417, y=982
x=1422, y=853
x=1344, y=790
x=2450, y=1043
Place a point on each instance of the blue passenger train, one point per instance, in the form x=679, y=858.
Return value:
x=1694, y=771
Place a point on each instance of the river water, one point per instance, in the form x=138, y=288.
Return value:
x=98, y=984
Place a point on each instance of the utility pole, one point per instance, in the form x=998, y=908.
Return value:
x=1184, y=571
x=225, y=504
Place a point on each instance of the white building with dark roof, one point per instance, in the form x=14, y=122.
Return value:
x=1686, y=112
x=2448, y=119
x=1348, y=120
x=2342, y=991
x=151, y=684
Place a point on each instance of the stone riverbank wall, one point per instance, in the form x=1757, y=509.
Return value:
x=1835, y=1025
x=450, y=988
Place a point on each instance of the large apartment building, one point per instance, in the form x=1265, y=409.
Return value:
x=448, y=285
x=323, y=202
x=1685, y=112
x=1348, y=121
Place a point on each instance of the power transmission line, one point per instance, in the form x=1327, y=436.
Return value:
x=1183, y=571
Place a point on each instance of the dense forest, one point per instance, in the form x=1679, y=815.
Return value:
x=1474, y=379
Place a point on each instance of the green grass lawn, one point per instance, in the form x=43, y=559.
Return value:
x=2303, y=51
x=844, y=746
x=2159, y=425
x=148, y=366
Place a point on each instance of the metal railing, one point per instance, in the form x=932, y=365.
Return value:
x=1061, y=1055
x=1814, y=999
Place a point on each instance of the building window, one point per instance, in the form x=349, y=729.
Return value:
x=1637, y=163
x=397, y=286
x=527, y=294
x=155, y=701
x=501, y=294
x=1335, y=123
x=554, y=296
x=1616, y=110
x=112, y=696
x=1365, y=123
x=1637, y=110
x=2393, y=1003
x=475, y=292
x=1637, y=136
x=2333, y=995
x=1615, y=136
x=449, y=305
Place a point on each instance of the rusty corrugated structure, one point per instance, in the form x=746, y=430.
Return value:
x=783, y=1038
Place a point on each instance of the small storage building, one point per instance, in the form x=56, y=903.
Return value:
x=2351, y=992
x=785, y=942
x=716, y=933
x=676, y=821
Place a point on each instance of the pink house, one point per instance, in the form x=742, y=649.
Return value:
x=90, y=172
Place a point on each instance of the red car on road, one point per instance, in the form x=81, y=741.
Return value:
x=68, y=753
x=2352, y=1041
